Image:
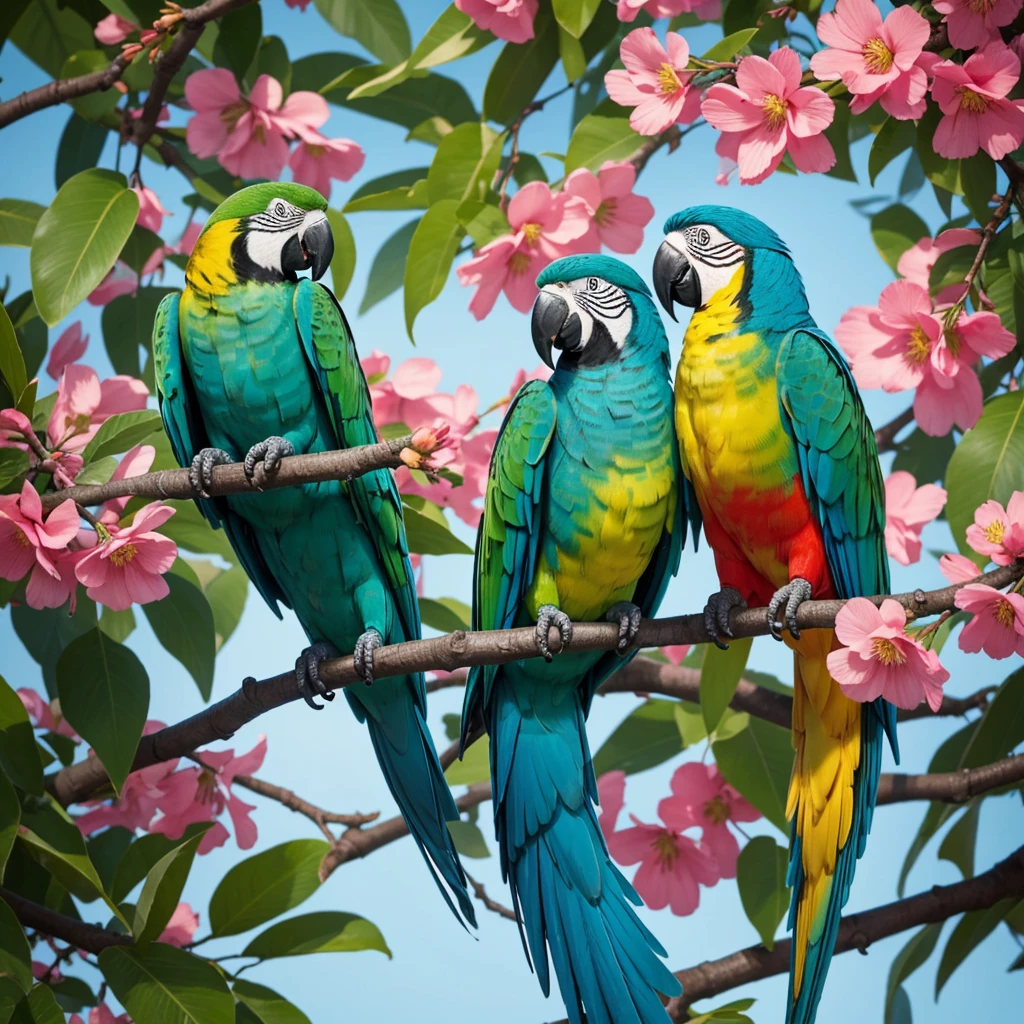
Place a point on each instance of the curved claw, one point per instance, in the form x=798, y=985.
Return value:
x=716, y=614
x=792, y=595
x=363, y=654
x=270, y=452
x=628, y=617
x=200, y=473
x=307, y=673
x=547, y=616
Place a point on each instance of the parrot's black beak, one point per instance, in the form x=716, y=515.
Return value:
x=554, y=326
x=318, y=245
x=675, y=280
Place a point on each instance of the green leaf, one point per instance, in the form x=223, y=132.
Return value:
x=15, y=955
x=943, y=173
x=93, y=105
x=958, y=846
x=758, y=761
x=12, y=363
x=117, y=625
x=719, y=674
x=272, y=59
x=189, y=530
x=602, y=135
x=13, y=466
x=9, y=16
x=10, y=819
x=575, y=16
x=323, y=932
x=72, y=994
x=727, y=48
x=908, y=960
x=894, y=230
x=141, y=856
x=227, y=593
x=924, y=456
x=378, y=24
x=388, y=267
x=973, y=928
x=951, y=267
x=77, y=240
x=183, y=623
x=474, y=767
x=128, y=327
x=520, y=70
x=398, y=183
x=104, y=694
x=266, y=1005
x=445, y=614
x=18, y=219
x=19, y=755
x=978, y=177
x=106, y=849
x=122, y=431
x=426, y=536
x=893, y=138
x=468, y=839
x=431, y=252
x=487, y=224
x=238, y=39
x=141, y=244
x=163, y=983
x=48, y=34
x=266, y=885
x=343, y=262
x=38, y=1007
x=46, y=632
x=648, y=736
x=761, y=878
x=838, y=134
x=988, y=463
x=98, y=472
x=163, y=888
x=464, y=164
x=570, y=50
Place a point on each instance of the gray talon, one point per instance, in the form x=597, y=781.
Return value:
x=792, y=595
x=363, y=654
x=716, y=614
x=307, y=673
x=547, y=616
x=628, y=617
x=200, y=473
x=270, y=452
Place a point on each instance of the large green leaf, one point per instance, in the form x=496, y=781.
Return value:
x=183, y=623
x=106, y=849
x=238, y=39
x=343, y=262
x=12, y=363
x=431, y=251
x=80, y=147
x=189, y=530
x=646, y=737
x=445, y=614
x=164, y=984
x=727, y=48
x=266, y=1005
x=602, y=135
x=893, y=138
x=270, y=883
x=520, y=70
x=10, y=820
x=761, y=878
x=122, y=431
x=18, y=219
x=77, y=240
x=227, y=593
x=973, y=928
x=389, y=192
x=941, y=172
x=758, y=761
x=128, y=327
x=960, y=841
x=15, y=955
x=894, y=230
x=575, y=16
x=473, y=767
x=378, y=24
x=19, y=755
x=142, y=855
x=464, y=164
x=49, y=32
x=45, y=632
x=907, y=960
x=719, y=674
x=987, y=463
x=104, y=694
x=324, y=932
x=388, y=268
x=94, y=105
x=164, y=884
x=38, y=1007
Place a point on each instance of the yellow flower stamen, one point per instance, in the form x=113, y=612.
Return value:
x=518, y=263
x=667, y=848
x=774, y=108
x=668, y=80
x=716, y=810
x=315, y=151
x=1005, y=614
x=21, y=538
x=123, y=555
x=231, y=115
x=206, y=787
x=994, y=532
x=971, y=101
x=981, y=6
x=531, y=232
x=919, y=347
x=887, y=652
x=877, y=56
x=605, y=212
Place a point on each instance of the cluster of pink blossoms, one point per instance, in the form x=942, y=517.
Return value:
x=674, y=865
x=908, y=509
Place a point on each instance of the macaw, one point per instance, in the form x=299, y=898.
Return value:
x=582, y=521
x=777, y=445
x=251, y=351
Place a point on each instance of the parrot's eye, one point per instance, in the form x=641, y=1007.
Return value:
x=592, y=284
x=703, y=237
x=279, y=208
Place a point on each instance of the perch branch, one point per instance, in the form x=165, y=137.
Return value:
x=49, y=922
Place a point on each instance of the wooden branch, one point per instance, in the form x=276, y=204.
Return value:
x=292, y=471
x=988, y=233
x=952, y=787
x=857, y=931
x=49, y=922
x=493, y=905
x=885, y=436
x=295, y=803
x=461, y=650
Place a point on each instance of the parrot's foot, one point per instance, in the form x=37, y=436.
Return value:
x=716, y=614
x=363, y=654
x=270, y=453
x=307, y=673
x=547, y=616
x=627, y=615
x=792, y=595
x=200, y=473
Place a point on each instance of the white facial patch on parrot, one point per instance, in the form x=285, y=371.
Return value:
x=268, y=232
x=712, y=254
x=594, y=297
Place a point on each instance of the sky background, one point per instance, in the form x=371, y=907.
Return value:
x=438, y=972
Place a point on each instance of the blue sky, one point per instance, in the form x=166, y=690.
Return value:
x=438, y=972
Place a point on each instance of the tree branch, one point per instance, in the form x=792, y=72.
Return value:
x=481, y=894
x=295, y=803
x=951, y=787
x=988, y=233
x=49, y=922
x=461, y=650
x=885, y=436
x=857, y=931
x=293, y=470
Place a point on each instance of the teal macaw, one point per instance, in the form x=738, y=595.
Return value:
x=779, y=450
x=250, y=350
x=582, y=521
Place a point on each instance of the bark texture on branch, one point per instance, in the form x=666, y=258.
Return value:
x=49, y=922
x=61, y=90
x=460, y=650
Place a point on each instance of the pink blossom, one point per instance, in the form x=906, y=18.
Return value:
x=112, y=29
x=672, y=866
x=151, y=210
x=316, y=160
x=655, y=81
x=70, y=347
x=546, y=226
x=971, y=24
x=41, y=970
x=998, y=624
x=706, y=10
x=43, y=715
x=511, y=20
x=162, y=118
x=83, y=403
x=134, y=462
x=121, y=280
x=618, y=216
x=972, y=96
x=726, y=165
x=676, y=652
x=203, y=794
x=767, y=113
x=876, y=60
x=958, y=568
x=181, y=926
x=998, y=532
x=879, y=659
x=908, y=509
x=54, y=590
x=27, y=541
x=128, y=568
x=297, y=4
x=916, y=263
x=15, y=427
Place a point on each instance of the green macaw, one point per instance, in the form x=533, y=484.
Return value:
x=582, y=521
x=251, y=351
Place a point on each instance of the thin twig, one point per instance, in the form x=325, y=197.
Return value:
x=300, y=806
x=885, y=436
x=481, y=894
